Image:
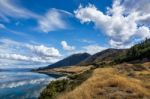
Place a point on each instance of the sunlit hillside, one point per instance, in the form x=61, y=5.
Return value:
x=114, y=83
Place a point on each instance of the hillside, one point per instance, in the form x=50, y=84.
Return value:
x=69, y=61
x=113, y=83
x=124, y=79
x=106, y=55
x=138, y=53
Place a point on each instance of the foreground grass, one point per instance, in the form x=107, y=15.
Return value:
x=123, y=81
x=106, y=83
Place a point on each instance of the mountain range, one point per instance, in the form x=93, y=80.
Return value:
x=105, y=55
x=139, y=51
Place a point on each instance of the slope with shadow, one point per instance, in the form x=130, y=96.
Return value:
x=106, y=55
x=69, y=61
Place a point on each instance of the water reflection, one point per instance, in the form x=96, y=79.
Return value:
x=22, y=84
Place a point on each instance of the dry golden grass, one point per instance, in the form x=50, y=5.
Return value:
x=108, y=83
x=146, y=64
x=145, y=72
x=73, y=69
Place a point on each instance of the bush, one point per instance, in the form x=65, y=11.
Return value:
x=55, y=87
x=59, y=86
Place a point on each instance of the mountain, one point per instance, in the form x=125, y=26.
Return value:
x=106, y=55
x=69, y=61
x=137, y=52
x=126, y=71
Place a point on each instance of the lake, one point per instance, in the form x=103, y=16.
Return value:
x=19, y=84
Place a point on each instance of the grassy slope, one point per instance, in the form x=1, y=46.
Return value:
x=123, y=81
x=60, y=86
x=128, y=83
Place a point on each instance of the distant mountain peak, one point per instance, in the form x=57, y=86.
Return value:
x=69, y=61
x=107, y=54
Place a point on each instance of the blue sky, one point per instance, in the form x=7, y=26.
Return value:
x=38, y=33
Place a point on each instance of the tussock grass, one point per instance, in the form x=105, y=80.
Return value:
x=73, y=69
x=107, y=83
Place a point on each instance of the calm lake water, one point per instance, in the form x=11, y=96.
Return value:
x=22, y=84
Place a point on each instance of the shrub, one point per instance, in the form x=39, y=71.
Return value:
x=59, y=86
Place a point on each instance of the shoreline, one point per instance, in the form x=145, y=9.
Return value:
x=64, y=84
x=53, y=74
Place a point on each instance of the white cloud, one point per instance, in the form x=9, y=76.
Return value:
x=92, y=49
x=22, y=58
x=53, y=20
x=118, y=24
x=133, y=5
x=120, y=45
x=13, y=56
x=10, y=9
x=43, y=50
x=40, y=50
x=143, y=32
x=27, y=53
x=66, y=46
x=8, y=41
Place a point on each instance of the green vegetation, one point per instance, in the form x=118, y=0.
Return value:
x=54, y=88
x=137, y=52
x=65, y=85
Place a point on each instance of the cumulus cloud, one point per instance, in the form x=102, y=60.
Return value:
x=19, y=57
x=53, y=20
x=66, y=46
x=18, y=52
x=43, y=50
x=13, y=56
x=133, y=5
x=143, y=32
x=118, y=24
x=40, y=50
x=92, y=49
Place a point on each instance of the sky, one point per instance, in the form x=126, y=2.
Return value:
x=36, y=33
